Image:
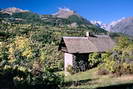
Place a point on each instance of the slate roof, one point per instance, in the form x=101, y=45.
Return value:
x=99, y=43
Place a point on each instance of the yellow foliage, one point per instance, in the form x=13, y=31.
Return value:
x=22, y=45
x=129, y=49
x=22, y=68
x=1, y=46
x=22, y=42
x=126, y=65
x=11, y=53
x=109, y=64
x=7, y=67
x=43, y=55
x=27, y=53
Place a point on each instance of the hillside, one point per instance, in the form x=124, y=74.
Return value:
x=30, y=56
x=62, y=18
x=44, y=33
x=91, y=80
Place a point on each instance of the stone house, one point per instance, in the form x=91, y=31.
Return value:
x=76, y=49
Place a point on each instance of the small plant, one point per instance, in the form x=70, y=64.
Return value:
x=70, y=69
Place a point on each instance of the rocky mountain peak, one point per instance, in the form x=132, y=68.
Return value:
x=124, y=25
x=64, y=13
x=12, y=10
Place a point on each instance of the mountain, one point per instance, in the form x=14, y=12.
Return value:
x=113, y=23
x=64, y=17
x=12, y=10
x=17, y=15
x=107, y=27
x=100, y=24
x=124, y=25
x=64, y=13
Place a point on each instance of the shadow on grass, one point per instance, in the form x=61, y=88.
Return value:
x=77, y=83
x=120, y=86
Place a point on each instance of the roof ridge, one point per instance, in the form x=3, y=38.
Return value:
x=88, y=44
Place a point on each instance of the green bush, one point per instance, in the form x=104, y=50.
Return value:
x=119, y=62
x=94, y=59
x=14, y=78
x=123, y=68
x=70, y=69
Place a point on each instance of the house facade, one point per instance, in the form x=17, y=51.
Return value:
x=76, y=49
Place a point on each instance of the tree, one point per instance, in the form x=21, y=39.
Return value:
x=20, y=51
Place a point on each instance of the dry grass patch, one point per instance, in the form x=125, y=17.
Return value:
x=91, y=80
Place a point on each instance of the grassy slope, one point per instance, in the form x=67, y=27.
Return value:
x=91, y=80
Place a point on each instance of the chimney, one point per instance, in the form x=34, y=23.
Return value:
x=87, y=34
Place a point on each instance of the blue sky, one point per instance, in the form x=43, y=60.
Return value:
x=102, y=10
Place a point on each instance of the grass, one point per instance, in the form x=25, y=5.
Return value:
x=91, y=80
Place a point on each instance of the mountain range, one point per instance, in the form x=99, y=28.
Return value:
x=63, y=18
x=123, y=25
x=66, y=17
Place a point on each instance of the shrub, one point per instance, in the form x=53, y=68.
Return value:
x=123, y=68
x=94, y=59
x=40, y=81
x=70, y=69
x=119, y=62
x=14, y=78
